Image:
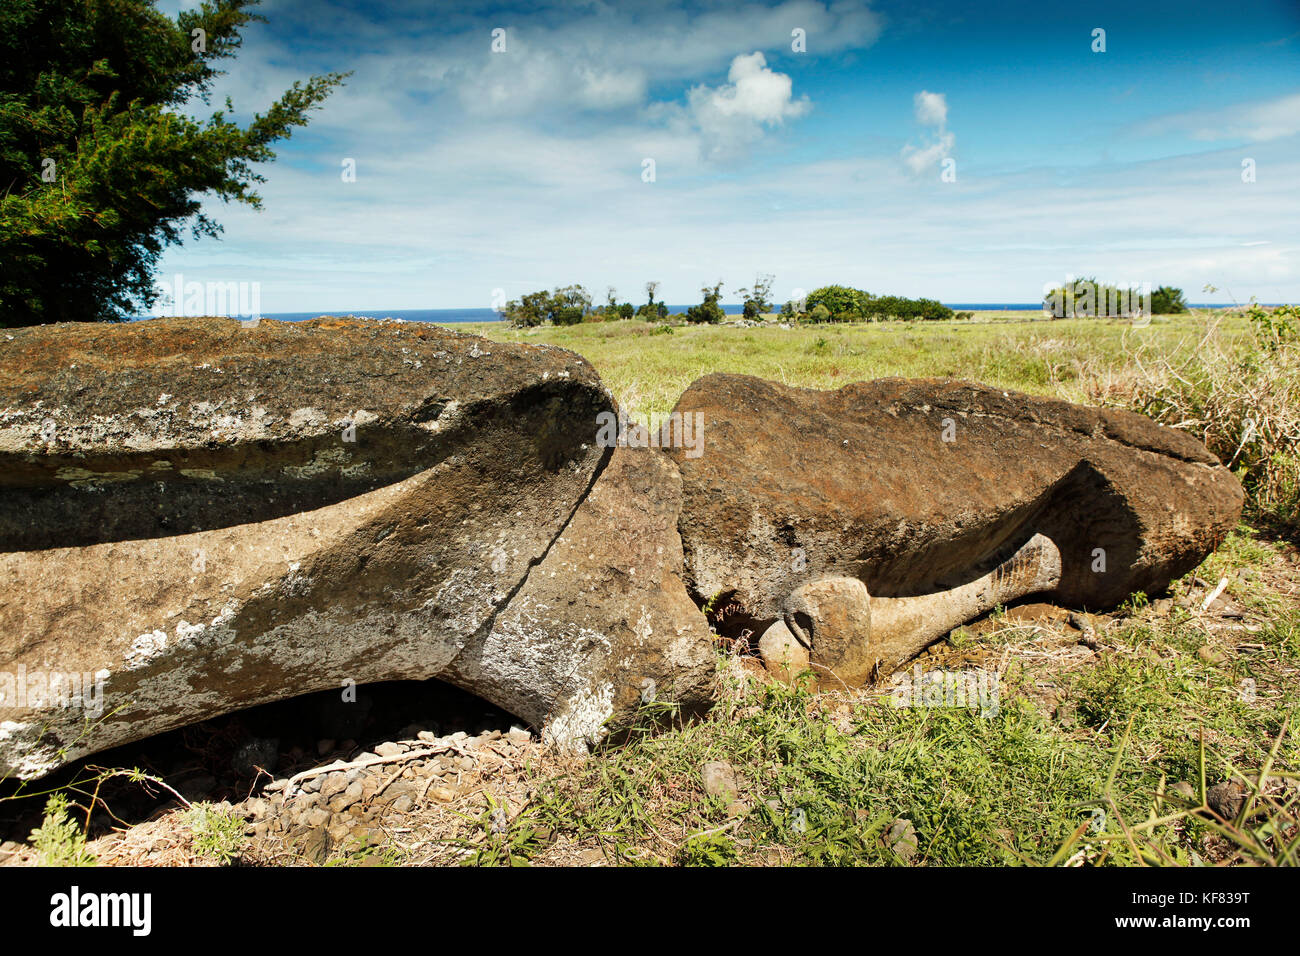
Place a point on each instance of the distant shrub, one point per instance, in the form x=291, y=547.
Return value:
x=708, y=311
x=1088, y=298
x=897, y=307
x=1167, y=300
x=845, y=304
x=566, y=306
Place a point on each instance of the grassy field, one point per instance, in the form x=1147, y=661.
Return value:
x=647, y=367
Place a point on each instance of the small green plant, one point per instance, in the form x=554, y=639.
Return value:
x=1275, y=329
x=1134, y=603
x=504, y=842
x=712, y=603
x=218, y=832
x=369, y=854
x=708, y=849
x=59, y=840
x=960, y=637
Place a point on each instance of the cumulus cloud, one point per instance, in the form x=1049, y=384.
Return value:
x=731, y=117
x=931, y=111
x=530, y=78
x=931, y=108
x=599, y=56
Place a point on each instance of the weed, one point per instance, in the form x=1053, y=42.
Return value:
x=218, y=832
x=58, y=840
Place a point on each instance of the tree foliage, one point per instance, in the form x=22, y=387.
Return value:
x=838, y=303
x=707, y=311
x=1167, y=300
x=909, y=310
x=100, y=168
x=844, y=304
x=758, y=300
x=1088, y=298
x=565, y=306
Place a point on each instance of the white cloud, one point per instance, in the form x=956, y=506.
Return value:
x=731, y=117
x=607, y=56
x=1257, y=122
x=931, y=110
x=753, y=93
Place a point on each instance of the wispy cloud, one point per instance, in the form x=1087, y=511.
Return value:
x=1257, y=122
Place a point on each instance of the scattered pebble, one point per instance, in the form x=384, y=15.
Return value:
x=720, y=780
x=1226, y=799
x=902, y=839
x=1211, y=655
x=518, y=735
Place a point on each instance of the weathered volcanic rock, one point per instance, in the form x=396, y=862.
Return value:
x=604, y=624
x=211, y=517
x=919, y=487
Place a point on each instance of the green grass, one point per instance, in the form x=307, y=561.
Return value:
x=648, y=371
x=823, y=778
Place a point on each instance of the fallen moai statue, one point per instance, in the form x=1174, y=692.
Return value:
x=198, y=517
x=885, y=513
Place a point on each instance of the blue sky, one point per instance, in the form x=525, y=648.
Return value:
x=483, y=174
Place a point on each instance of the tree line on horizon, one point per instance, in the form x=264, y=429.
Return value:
x=572, y=304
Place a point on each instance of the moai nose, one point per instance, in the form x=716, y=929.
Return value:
x=832, y=618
